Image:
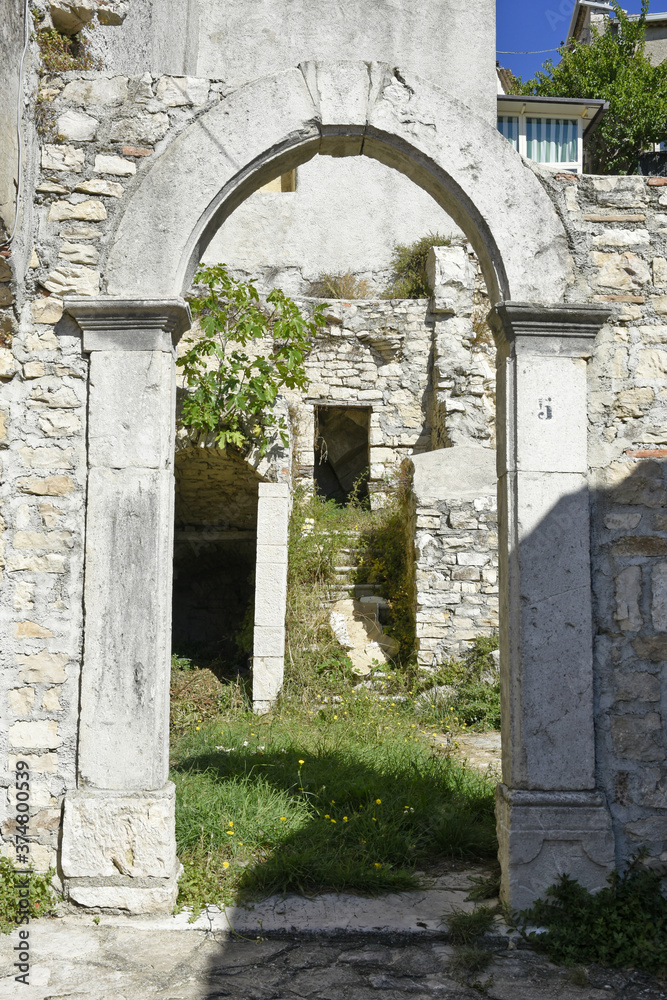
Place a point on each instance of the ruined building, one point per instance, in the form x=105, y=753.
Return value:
x=138, y=161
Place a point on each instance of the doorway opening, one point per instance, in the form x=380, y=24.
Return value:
x=342, y=453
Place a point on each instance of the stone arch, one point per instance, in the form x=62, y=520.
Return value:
x=273, y=124
x=550, y=816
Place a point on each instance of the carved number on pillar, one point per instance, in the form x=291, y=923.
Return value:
x=550, y=817
x=118, y=829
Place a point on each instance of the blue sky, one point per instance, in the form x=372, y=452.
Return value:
x=541, y=24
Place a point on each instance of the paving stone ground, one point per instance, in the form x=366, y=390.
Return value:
x=75, y=959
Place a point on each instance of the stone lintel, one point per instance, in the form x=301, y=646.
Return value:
x=530, y=328
x=545, y=834
x=110, y=324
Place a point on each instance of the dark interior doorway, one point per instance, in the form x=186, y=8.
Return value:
x=342, y=452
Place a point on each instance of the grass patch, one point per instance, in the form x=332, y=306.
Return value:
x=344, y=796
x=622, y=926
x=465, y=928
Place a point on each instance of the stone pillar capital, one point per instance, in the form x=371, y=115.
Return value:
x=560, y=330
x=111, y=324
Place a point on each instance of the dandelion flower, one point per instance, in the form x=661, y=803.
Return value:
x=302, y=762
x=326, y=816
x=230, y=833
x=378, y=865
x=333, y=820
x=344, y=819
x=197, y=727
x=231, y=823
x=283, y=819
x=378, y=802
x=225, y=864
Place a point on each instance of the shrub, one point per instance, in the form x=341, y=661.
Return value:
x=340, y=286
x=623, y=925
x=61, y=54
x=409, y=263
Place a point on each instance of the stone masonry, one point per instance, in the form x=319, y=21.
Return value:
x=97, y=144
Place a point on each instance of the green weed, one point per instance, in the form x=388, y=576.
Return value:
x=340, y=286
x=42, y=897
x=60, y=54
x=465, y=928
x=409, y=263
x=623, y=925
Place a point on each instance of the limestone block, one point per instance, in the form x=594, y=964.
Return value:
x=98, y=186
x=636, y=737
x=633, y=402
x=47, y=310
x=631, y=484
x=113, y=12
x=69, y=16
x=6, y=273
x=473, y=558
x=50, y=486
x=628, y=598
x=659, y=271
x=79, y=253
x=267, y=679
x=4, y=426
x=652, y=364
x=61, y=397
x=87, y=211
x=108, y=92
x=659, y=303
x=144, y=380
x=636, y=686
x=8, y=363
x=620, y=192
x=35, y=735
x=653, y=334
x=51, y=187
x=51, y=540
x=56, y=425
x=77, y=126
x=6, y=296
x=159, y=898
x=116, y=165
x=622, y=520
x=49, y=563
x=73, y=279
x=31, y=630
x=80, y=232
x=46, y=458
x=42, y=668
x=271, y=594
x=272, y=522
x=650, y=829
x=51, y=700
x=46, y=763
x=178, y=91
x=21, y=700
x=268, y=641
x=66, y=158
x=33, y=369
x=659, y=596
x=104, y=834
x=620, y=272
x=451, y=276
x=141, y=128
x=622, y=238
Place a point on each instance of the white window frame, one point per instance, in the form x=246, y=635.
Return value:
x=577, y=166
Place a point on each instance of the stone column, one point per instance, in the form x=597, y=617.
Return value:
x=268, y=663
x=118, y=847
x=550, y=817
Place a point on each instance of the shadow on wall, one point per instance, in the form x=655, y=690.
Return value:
x=555, y=692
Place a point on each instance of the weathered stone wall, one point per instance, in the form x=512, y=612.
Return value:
x=455, y=550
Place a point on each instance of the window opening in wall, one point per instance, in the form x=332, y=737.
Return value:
x=342, y=452
x=284, y=183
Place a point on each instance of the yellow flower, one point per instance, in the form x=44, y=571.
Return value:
x=230, y=833
x=378, y=802
x=283, y=819
x=374, y=819
x=302, y=762
x=197, y=727
x=344, y=819
x=333, y=820
x=231, y=823
x=378, y=865
x=326, y=816
x=225, y=864
x=335, y=716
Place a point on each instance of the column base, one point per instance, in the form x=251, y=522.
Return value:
x=543, y=835
x=119, y=849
